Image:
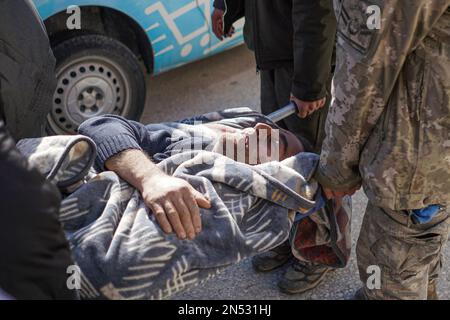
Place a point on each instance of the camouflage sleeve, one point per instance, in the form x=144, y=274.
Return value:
x=367, y=67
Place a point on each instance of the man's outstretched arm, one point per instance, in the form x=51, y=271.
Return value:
x=174, y=202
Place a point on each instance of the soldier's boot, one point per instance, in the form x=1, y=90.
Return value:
x=301, y=277
x=272, y=259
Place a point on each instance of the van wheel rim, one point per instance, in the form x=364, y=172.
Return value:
x=88, y=87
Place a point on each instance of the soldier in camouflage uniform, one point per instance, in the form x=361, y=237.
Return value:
x=389, y=130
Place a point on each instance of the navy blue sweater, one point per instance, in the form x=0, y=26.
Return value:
x=114, y=134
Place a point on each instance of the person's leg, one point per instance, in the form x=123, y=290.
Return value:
x=275, y=93
x=312, y=128
x=268, y=94
x=283, y=86
x=407, y=254
x=433, y=279
x=272, y=259
x=299, y=277
x=276, y=257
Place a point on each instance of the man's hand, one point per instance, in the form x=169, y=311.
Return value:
x=305, y=108
x=175, y=204
x=331, y=194
x=217, y=24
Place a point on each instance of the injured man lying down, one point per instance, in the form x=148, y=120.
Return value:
x=150, y=210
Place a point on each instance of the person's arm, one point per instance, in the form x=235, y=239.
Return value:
x=114, y=134
x=364, y=82
x=220, y=5
x=218, y=19
x=34, y=252
x=173, y=201
x=314, y=26
x=120, y=143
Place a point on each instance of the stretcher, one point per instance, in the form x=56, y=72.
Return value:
x=283, y=113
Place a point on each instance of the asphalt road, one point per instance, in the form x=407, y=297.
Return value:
x=229, y=80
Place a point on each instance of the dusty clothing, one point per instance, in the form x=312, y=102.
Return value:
x=389, y=123
x=296, y=34
x=409, y=255
x=275, y=93
x=27, y=80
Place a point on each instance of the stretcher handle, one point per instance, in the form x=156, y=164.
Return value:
x=284, y=112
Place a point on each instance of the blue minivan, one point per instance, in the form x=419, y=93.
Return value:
x=101, y=63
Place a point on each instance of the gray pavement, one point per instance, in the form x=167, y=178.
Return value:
x=229, y=80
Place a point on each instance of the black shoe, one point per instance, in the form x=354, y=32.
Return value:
x=272, y=259
x=301, y=277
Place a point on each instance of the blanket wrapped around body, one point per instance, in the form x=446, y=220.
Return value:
x=121, y=251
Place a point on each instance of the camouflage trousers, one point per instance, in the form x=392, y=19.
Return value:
x=408, y=255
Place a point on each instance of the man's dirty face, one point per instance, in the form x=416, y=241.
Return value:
x=256, y=145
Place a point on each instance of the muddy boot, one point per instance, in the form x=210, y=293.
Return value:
x=272, y=259
x=301, y=277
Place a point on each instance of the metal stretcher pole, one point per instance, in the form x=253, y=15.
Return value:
x=283, y=113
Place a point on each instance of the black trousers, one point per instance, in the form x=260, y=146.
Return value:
x=275, y=93
x=34, y=253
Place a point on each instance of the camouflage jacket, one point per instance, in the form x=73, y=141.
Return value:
x=389, y=124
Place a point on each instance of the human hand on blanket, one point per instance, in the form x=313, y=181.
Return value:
x=173, y=201
x=175, y=204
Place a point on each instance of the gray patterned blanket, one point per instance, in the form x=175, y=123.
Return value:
x=120, y=249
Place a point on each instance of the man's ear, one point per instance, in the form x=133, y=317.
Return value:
x=264, y=126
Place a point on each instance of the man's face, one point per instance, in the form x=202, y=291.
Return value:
x=257, y=145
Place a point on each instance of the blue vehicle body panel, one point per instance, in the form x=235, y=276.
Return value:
x=179, y=30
